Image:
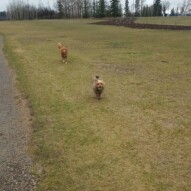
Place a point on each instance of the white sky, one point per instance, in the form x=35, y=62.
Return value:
x=4, y=3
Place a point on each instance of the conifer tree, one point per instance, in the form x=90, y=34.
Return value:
x=94, y=8
x=101, y=8
x=85, y=14
x=60, y=8
x=115, y=8
x=137, y=8
x=172, y=12
x=127, y=11
x=157, y=8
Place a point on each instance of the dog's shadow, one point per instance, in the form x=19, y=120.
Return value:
x=93, y=99
x=62, y=64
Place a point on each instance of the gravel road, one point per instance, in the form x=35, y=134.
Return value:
x=15, y=129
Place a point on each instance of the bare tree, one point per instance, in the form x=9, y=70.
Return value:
x=70, y=8
x=22, y=10
x=15, y=10
x=185, y=6
x=165, y=7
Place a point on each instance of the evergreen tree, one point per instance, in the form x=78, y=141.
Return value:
x=101, y=8
x=127, y=11
x=86, y=12
x=157, y=8
x=94, y=8
x=172, y=12
x=145, y=11
x=115, y=8
x=137, y=8
x=120, y=10
x=60, y=8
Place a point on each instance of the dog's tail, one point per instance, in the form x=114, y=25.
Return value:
x=96, y=78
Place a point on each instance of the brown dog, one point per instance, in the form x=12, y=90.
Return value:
x=98, y=86
x=64, y=52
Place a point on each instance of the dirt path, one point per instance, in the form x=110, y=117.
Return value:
x=130, y=22
x=15, y=129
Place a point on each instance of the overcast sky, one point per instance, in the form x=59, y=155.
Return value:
x=4, y=3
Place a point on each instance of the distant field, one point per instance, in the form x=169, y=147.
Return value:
x=185, y=21
x=137, y=137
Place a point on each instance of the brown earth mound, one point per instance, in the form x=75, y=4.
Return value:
x=130, y=22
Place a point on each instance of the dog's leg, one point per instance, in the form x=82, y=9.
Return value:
x=64, y=61
x=98, y=96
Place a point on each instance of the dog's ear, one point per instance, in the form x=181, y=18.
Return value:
x=59, y=44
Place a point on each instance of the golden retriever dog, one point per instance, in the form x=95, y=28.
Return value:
x=98, y=86
x=63, y=52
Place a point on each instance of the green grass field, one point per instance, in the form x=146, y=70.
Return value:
x=137, y=137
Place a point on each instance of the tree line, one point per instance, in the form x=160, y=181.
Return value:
x=23, y=10
x=160, y=8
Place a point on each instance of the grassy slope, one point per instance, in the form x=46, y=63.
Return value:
x=186, y=21
x=137, y=136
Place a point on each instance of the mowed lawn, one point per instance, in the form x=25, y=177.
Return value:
x=137, y=137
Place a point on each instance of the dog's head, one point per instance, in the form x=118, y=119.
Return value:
x=99, y=84
x=59, y=45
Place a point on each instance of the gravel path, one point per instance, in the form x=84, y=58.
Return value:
x=15, y=164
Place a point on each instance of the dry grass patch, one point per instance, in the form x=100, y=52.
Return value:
x=138, y=136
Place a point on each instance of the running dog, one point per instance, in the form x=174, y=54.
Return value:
x=63, y=52
x=98, y=86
